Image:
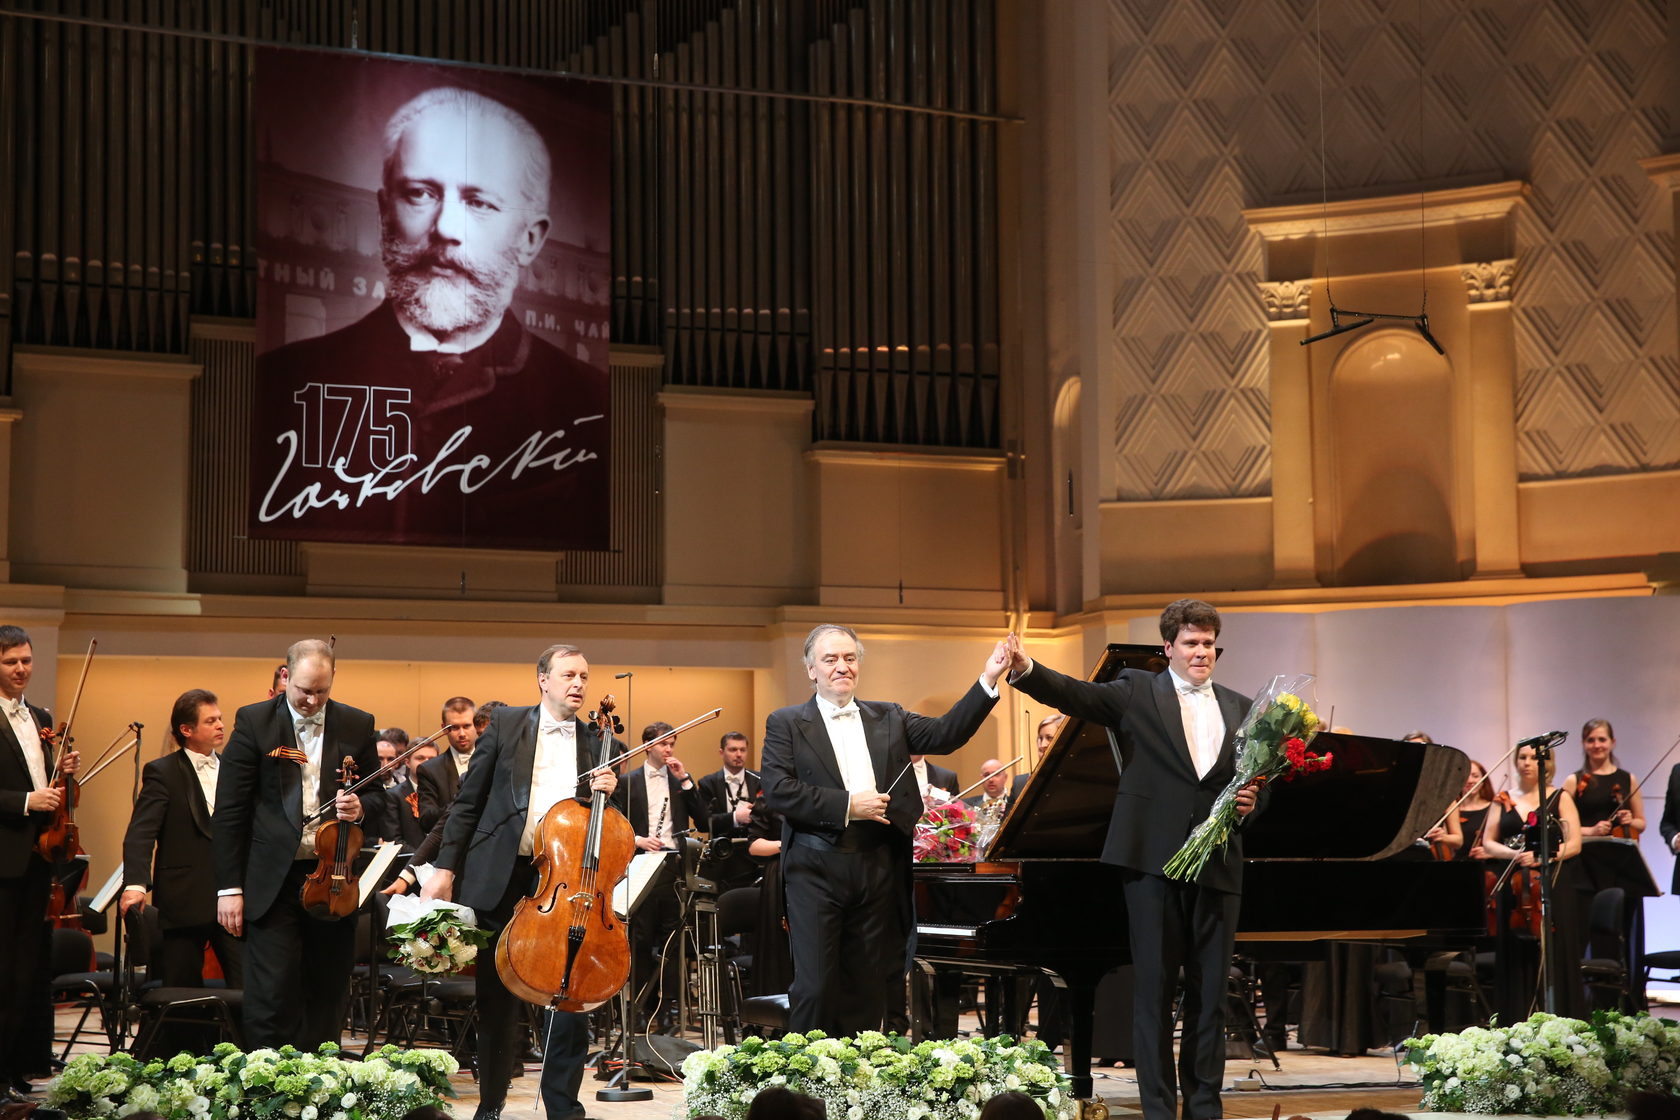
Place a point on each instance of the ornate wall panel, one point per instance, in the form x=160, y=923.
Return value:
x=1215, y=106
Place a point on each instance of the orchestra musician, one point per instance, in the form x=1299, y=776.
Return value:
x=772, y=967
x=280, y=766
x=1176, y=731
x=835, y=768
x=1445, y=840
x=1512, y=836
x=1473, y=811
x=168, y=848
x=726, y=798
x=528, y=759
x=1607, y=797
x=439, y=779
x=27, y=797
x=399, y=815
x=661, y=799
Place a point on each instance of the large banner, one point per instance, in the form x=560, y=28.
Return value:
x=433, y=249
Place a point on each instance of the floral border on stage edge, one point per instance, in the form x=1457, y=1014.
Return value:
x=283, y=1084
x=1548, y=1066
x=876, y=1076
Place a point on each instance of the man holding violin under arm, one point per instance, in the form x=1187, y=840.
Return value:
x=279, y=769
x=27, y=798
x=527, y=760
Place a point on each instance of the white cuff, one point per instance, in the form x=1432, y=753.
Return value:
x=989, y=689
x=231, y=892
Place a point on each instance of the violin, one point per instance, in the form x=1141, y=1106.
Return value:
x=332, y=890
x=60, y=841
x=1617, y=829
x=564, y=948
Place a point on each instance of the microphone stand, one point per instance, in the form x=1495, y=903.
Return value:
x=1542, y=756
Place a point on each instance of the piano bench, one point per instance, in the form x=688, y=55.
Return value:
x=765, y=1011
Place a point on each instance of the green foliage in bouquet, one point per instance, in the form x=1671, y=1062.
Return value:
x=1548, y=1066
x=876, y=1076
x=229, y=1084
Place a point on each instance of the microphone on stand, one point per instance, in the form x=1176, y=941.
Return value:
x=1549, y=739
x=621, y=676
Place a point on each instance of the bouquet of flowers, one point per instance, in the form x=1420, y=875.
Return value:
x=876, y=1076
x=946, y=833
x=433, y=936
x=1271, y=743
x=283, y=1084
x=1547, y=1066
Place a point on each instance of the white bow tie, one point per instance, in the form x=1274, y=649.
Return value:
x=564, y=730
x=204, y=761
x=848, y=712
x=1196, y=689
x=317, y=720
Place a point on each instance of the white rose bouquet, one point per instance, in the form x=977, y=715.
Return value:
x=433, y=936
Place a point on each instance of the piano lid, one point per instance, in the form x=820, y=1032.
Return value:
x=1376, y=799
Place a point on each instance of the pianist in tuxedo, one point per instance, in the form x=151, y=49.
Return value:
x=1176, y=731
x=835, y=768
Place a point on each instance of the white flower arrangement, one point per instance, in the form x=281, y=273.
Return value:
x=433, y=936
x=1548, y=1066
x=229, y=1084
x=876, y=1076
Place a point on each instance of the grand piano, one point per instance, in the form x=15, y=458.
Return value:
x=1318, y=866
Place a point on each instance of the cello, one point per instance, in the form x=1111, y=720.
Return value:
x=332, y=891
x=563, y=948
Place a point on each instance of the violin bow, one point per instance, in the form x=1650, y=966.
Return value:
x=389, y=768
x=1656, y=765
x=1010, y=765
x=634, y=751
x=76, y=702
x=108, y=757
x=1486, y=770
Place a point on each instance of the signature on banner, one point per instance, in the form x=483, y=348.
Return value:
x=374, y=428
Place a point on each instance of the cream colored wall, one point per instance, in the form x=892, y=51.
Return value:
x=408, y=694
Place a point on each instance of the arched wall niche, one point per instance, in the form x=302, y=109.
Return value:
x=1394, y=468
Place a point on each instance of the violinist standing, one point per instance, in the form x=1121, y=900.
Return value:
x=1512, y=835
x=1607, y=797
x=27, y=798
x=280, y=767
x=168, y=851
x=527, y=759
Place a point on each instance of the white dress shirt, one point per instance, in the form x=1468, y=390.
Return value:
x=310, y=732
x=554, y=774
x=462, y=761
x=658, y=781
x=29, y=738
x=1204, y=724
x=851, y=750
x=208, y=768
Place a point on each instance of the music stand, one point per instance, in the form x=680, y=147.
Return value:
x=648, y=871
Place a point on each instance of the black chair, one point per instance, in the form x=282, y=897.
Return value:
x=1466, y=975
x=1605, y=971
x=91, y=990
x=737, y=917
x=154, y=1005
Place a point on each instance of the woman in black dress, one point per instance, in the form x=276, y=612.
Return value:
x=1606, y=796
x=1511, y=838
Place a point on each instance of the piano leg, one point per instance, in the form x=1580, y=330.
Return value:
x=1081, y=1009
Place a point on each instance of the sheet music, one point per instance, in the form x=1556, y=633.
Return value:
x=376, y=868
x=102, y=900
x=634, y=885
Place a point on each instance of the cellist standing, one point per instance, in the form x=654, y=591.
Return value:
x=27, y=797
x=527, y=760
